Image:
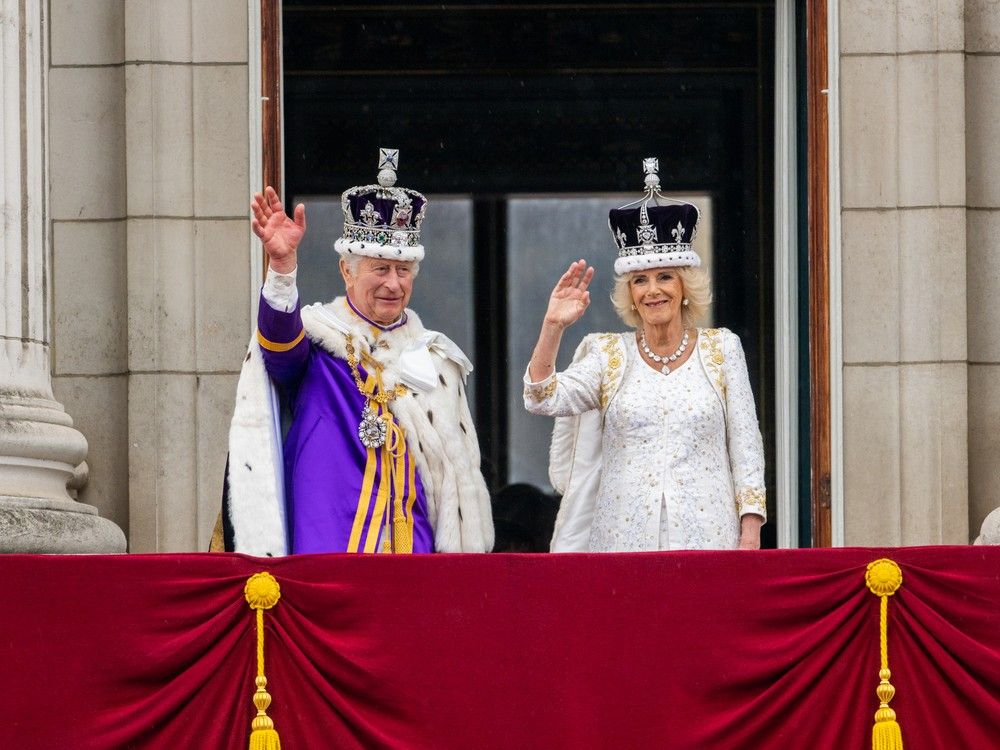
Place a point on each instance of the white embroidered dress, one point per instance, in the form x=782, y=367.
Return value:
x=681, y=457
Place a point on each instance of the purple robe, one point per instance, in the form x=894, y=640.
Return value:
x=339, y=495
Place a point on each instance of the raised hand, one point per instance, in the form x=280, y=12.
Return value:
x=570, y=298
x=281, y=235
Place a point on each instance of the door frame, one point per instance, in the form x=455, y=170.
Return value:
x=823, y=251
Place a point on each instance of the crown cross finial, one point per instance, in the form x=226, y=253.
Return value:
x=651, y=166
x=388, y=158
x=388, y=163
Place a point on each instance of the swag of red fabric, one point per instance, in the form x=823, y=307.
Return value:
x=676, y=649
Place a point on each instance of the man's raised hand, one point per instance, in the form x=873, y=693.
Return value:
x=281, y=235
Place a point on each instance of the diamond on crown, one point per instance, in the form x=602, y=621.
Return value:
x=369, y=216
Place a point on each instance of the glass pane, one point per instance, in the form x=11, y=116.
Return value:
x=544, y=235
x=442, y=294
x=318, y=277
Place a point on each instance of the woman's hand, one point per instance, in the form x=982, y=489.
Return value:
x=281, y=236
x=568, y=301
x=750, y=531
x=570, y=298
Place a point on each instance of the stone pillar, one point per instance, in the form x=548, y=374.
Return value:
x=982, y=112
x=903, y=217
x=188, y=237
x=40, y=451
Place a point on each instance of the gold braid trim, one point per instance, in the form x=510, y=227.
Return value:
x=883, y=578
x=398, y=536
x=218, y=541
x=262, y=592
x=272, y=346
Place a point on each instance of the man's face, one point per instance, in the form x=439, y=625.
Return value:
x=380, y=289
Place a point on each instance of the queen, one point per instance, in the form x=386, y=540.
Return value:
x=656, y=444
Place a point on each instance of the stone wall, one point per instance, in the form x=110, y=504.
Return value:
x=982, y=113
x=87, y=217
x=150, y=182
x=905, y=322
x=42, y=455
x=148, y=165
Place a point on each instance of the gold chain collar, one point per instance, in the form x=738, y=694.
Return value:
x=383, y=396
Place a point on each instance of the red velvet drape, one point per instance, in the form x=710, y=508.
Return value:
x=666, y=650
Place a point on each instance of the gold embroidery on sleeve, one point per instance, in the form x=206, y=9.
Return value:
x=750, y=501
x=613, y=363
x=540, y=392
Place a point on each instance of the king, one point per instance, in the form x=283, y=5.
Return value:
x=380, y=453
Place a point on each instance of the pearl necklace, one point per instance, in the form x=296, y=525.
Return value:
x=665, y=360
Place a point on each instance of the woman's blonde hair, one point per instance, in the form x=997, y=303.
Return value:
x=694, y=283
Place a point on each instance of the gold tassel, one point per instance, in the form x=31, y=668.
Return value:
x=883, y=578
x=262, y=592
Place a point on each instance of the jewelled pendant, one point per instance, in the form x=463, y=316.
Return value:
x=373, y=429
x=665, y=370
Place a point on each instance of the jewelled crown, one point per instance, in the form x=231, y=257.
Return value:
x=383, y=221
x=651, y=234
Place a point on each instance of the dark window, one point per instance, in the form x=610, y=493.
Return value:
x=514, y=112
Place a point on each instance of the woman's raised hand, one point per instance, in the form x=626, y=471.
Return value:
x=570, y=298
x=281, y=235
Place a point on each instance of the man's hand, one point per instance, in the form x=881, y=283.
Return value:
x=281, y=236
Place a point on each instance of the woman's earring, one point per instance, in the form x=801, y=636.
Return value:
x=633, y=307
x=686, y=300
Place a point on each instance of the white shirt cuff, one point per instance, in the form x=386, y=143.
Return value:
x=279, y=290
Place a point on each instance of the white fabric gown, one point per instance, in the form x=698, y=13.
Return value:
x=681, y=457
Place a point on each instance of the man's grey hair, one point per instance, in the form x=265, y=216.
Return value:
x=353, y=263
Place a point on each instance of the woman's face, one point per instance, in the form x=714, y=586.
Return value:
x=657, y=295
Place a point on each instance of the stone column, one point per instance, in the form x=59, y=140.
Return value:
x=903, y=220
x=188, y=238
x=40, y=451
x=982, y=112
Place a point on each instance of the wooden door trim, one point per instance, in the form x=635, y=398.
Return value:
x=270, y=86
x=818, y=194
x=270, y=94
x=818, y=197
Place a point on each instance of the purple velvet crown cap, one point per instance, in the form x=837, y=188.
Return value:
x=385, y=207
x=675, y=224
x=654, y=231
